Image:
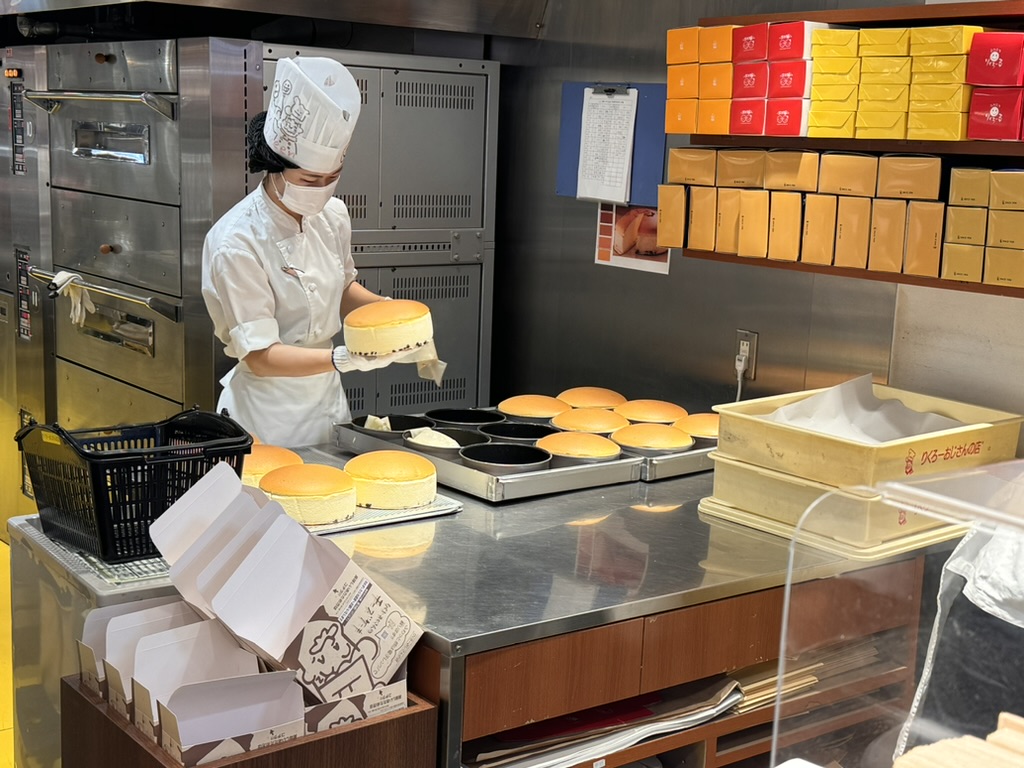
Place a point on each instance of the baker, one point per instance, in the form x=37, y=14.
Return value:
x=278, y=274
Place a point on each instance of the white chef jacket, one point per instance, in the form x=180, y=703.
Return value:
x=266, y=280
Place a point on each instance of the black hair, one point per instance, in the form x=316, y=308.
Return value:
x=261, y=156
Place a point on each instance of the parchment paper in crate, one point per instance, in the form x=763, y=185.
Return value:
x=851, y=411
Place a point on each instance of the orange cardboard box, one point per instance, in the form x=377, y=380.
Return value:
x=671, y=215
x=713, y=116
x=681, y=116
x=962, y=262
x=888, y=235
x=853, y=232
x=819, y=229
x=682, y=45
x=1004, y=266
x=683, y=81
x=785, y=219
x=715, y=81
x=924, y=238
x=715, y=43
x=703, y=220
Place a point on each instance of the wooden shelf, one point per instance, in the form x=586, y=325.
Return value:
x=992, y=149
x=999, y=12
x=860, y=274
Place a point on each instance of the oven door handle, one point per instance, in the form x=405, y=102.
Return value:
x=168, y=310
x=51, y=100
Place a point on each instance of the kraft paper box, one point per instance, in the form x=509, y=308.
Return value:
x=746, y=118
x=785, y=221
x=881, y=125
x=715, y=81
x=942, y=41
x=886, y=70
x=682, y=45
x=848, y=174
x=966, y=226
x=715, y=43
x=934, y=97
x=888, y=235
x=1005, y=229
x=680, y=116
x=787, y=117
x=835, y=98
x=924, y=238
x=1006, y=190
x=703, y=222
x=741, y=168
x=683, y=81
x=962, y=262
x=727, y=227
x=938, y=69
x=884, y=42
x=853, y=232
x=883, y=98
x=831, y=125
x=837, y=71
x=819, y=236
x=689, y=165
x=996, y=58
x=793, y=171
x=789, y=79
x=909, y=176
x=753, y=229
x=713, y=116
x=671, y=215
x=750, y=43
x=1003, y=266
x=970, y=186
x=835, y=43
x=750, y=80
x=937, y=126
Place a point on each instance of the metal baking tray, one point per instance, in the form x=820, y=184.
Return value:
x=675, y=464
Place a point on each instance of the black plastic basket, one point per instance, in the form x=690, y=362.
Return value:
x=98, y=490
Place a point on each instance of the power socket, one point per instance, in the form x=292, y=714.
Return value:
x=746, y=344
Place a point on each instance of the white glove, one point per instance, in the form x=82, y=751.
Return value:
x=81, y=303
x=345, y=361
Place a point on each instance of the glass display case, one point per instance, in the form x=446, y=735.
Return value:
x=932, y=673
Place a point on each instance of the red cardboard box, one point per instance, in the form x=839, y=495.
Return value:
x=789, y=80
x=750, y=80
x=786, y=117
x=996, y=58
x=750, y=43
x=747, y=117
x=996, y=114
x=791, y=39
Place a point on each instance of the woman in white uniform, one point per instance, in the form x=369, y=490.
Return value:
x=278, y=275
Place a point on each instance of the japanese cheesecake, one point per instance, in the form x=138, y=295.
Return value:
x=591, y=397
x=654, y=411
x=533, y=406
x=393, y=479
x=313, y=494
x=580, y=445
x=600, y=421
x=652, y=437
x=383, y=327
x=703, y=425
x=263, y=458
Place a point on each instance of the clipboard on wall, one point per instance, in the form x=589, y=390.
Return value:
x=648, y=158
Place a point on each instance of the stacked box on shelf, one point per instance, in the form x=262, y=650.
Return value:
x=788, y=175
x=963, y=248
x=995, y=66
x=1004, y=242
x=837, y=219
x=789, y=77
x=940, y=98
x=715, y=79
x=682, y=83
x=749, y=86
x=692, y=169
x=835, y=83
x=884, y=96
x=908, y=190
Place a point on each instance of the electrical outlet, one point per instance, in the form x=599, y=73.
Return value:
x=746, y=344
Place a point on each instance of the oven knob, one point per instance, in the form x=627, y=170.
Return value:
x=110, y=248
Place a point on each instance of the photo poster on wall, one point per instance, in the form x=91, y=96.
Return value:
x=627, y=237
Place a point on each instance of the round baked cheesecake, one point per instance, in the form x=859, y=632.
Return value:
x=599, y=421
x=580, y=445
x=533, y=406
x=313, y=494
x=703, y=425
x=393, y=479
x=383, y=327
x=263, y=458
x=653, y=411
x=652, y=437
x=591, y=397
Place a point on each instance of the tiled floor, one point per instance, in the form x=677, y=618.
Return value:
x=6, y=677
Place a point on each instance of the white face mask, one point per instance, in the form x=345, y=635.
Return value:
x=306, y=201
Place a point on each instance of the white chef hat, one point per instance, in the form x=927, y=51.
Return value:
x=313, y=111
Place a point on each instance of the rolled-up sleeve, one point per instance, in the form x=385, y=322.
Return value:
x=241, y=302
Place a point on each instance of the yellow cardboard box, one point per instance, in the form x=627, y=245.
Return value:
x=888, y=235
x=937, y=126
x=940, y=97
x=1006, y=190
x=881, y=125
x=715, y=43
x=842, y=173
x=915, y=177
x=671, y=215
x=715, y=81
x=1004, y=266
x=837, y=71
x=885, y=70
x=785, y=219
x=853, y=232
x=741, y=168
x=727, y=228
x=753, y=234
x=966, y=226
x=692, y=165
x=962, y=262
x=683, y=81
x=883, y=98
x=680, y=116
x=713, y=116
x=819, y=229
x=970, y=186
x=1005, y=229
x=834, y=98
x=791, y=170
x=682, y=45
x=938, y=69
x=887, y=41
x=942, y=41
x=703, y=221
x=924, y=238
x=831, y=125
x=833, y=43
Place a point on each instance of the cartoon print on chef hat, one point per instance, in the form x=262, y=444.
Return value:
x=288, y=123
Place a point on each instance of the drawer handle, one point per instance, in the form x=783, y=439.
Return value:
x=161, y=307
x=51, y=100
x=110, y=248
x=104, y=58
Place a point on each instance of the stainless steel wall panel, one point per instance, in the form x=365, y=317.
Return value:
x=133, y=242
x=84, y=398
x=10, y=460
x=149, y=65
